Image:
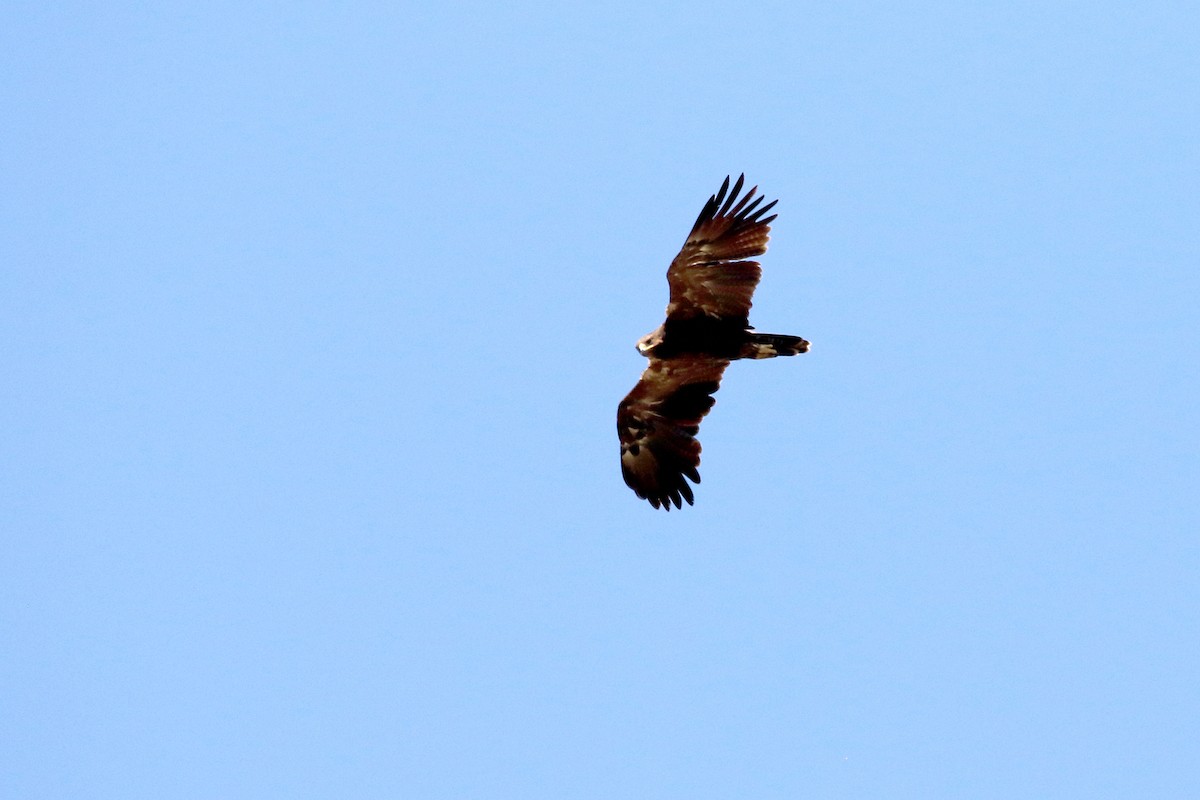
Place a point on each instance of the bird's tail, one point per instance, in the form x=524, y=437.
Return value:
x=769, y=345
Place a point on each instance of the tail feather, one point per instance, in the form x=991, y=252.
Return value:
x=770, y=345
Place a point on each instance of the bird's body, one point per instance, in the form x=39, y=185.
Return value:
x=717, y=338
x=707, y=326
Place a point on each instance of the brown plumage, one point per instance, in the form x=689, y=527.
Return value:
x=707, y=326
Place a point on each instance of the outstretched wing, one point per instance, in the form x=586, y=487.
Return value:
x=657, y=424
x=707, y=277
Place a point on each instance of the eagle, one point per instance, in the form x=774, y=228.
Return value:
x=707, y=326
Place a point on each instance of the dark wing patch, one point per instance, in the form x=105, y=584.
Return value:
x=707, y=277
x=658, y=422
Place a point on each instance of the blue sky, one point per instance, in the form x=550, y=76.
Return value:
x=316, y=317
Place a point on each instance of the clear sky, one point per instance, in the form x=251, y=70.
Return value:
x=315, y=317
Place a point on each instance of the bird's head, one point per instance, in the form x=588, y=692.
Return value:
x=650, y=341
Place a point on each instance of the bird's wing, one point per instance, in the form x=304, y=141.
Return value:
x=707, y=276
x=657, y=424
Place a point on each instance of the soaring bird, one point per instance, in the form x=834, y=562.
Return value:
x=707, y=326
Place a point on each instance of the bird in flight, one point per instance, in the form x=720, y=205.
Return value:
x=707, y=326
